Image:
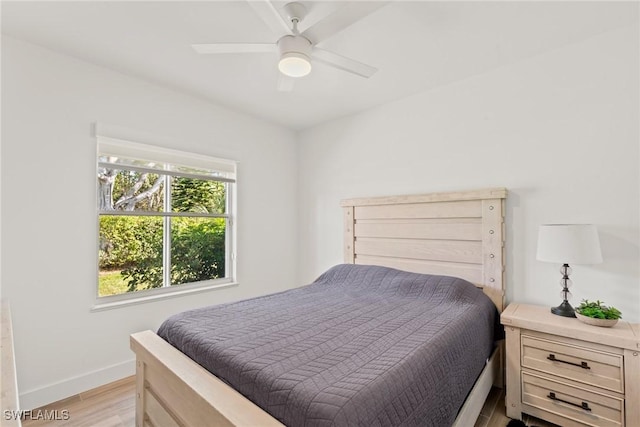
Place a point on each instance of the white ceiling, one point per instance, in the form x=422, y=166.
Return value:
x=417, y=45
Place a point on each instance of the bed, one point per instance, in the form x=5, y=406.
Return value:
x=387, y=241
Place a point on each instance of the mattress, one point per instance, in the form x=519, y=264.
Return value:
x=360, y=346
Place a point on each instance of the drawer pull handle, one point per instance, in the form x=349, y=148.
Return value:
x=583, y=405
x=583, y=365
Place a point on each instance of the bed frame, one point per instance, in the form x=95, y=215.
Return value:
x=457, y=233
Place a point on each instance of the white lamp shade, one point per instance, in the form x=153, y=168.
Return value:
x=569, y=244
x=294, y=64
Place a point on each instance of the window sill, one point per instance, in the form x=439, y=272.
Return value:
x=102, y=306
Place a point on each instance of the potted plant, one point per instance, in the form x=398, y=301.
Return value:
x=597, y=314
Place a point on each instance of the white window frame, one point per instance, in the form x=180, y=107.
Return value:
x=168, y=162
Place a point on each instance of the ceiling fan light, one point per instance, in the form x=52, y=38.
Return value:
x=294, y=64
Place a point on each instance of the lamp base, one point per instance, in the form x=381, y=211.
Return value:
x=564, y=310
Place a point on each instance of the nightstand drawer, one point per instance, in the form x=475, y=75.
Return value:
x=576, y=404
x=581, y=364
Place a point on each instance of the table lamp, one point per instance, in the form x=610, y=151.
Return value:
x=568, y=244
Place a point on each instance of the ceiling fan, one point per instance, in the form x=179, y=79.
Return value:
x=296, y=50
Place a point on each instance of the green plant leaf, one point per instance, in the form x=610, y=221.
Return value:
x=598, y=310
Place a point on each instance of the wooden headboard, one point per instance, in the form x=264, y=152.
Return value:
x=454, y=234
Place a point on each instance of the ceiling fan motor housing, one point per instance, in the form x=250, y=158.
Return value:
x=295, y=56
x=294, y=44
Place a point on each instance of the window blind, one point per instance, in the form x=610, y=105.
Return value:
x=121, y=154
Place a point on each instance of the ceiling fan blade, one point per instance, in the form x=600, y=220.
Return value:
x=285, y=83
x=341, y=19
x=267, y=11
x=234, y=47
x=343, y=63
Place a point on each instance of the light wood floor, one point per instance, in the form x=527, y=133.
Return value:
x=113, y=405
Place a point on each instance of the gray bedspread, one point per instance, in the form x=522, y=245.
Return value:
x=360, y=346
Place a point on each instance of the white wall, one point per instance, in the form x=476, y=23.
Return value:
x=49, y=103
x=560, y=131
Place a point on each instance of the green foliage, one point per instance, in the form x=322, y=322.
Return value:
x=128, y=240
x=197, y=195
x=133, y=245
x=197, y=253
x=197, y=249
x=146, y=273
x=598, y=310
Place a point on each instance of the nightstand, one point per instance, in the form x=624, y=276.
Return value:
x=569, y=373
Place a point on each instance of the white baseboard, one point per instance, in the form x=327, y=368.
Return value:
x=36, y=398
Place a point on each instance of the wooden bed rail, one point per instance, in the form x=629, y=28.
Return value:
x=172, y=390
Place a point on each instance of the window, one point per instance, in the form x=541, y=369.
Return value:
x=165, y=219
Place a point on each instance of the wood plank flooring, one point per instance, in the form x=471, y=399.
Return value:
x=113, y=405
